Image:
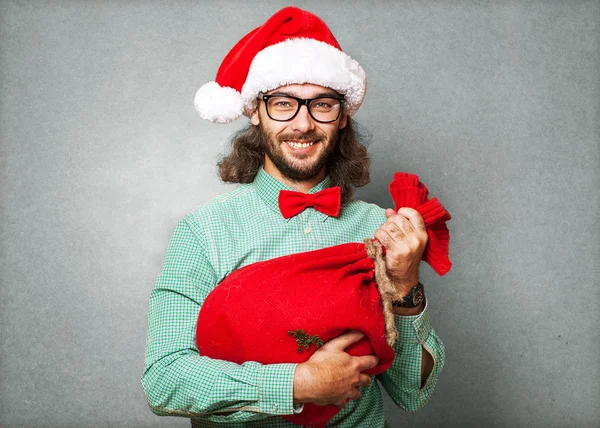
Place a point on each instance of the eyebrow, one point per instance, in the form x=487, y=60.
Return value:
x=319, y=95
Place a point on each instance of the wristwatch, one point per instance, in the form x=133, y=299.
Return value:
x=413, y=299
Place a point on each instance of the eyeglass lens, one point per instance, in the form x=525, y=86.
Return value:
x=321, y=109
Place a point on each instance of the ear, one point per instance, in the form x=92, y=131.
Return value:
x=254, y=118
x=343, y=121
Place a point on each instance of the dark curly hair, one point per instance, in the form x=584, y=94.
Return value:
x=348, y=166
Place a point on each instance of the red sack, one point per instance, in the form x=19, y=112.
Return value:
x=281, y=310
x=250, y=315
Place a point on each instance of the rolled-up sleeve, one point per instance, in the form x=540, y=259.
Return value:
x=402, y=380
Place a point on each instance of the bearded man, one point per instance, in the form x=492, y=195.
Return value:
x=299, y=90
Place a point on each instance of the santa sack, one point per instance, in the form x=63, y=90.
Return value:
x=282, y=310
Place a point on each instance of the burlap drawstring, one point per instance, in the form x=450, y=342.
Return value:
x=386, y=289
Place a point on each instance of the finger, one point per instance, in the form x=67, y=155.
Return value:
x=384, y=238
x=365, y=380
x=366, y=362
x=340, y=404
x=389, y=212
x=355, y=394
x=401, y=222
x=414, y=217
x=398, y=236
x=394, y=231
x=344, y=340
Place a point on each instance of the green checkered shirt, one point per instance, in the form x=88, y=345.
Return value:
x=232, y=231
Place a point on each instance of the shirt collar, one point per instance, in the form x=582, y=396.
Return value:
x=268, y=187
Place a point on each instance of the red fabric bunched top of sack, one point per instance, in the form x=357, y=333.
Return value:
x=408, y=191
x=320, y=294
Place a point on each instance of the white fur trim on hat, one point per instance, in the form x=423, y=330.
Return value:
x=305, y=61
x=218, y=104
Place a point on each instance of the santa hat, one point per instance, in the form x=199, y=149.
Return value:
x=293, y=46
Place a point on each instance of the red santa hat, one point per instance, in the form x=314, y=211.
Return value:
x=293, y=46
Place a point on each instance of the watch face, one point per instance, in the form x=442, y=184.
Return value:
x=418, y=297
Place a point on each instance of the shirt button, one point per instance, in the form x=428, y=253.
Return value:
x=307, y=230
x=274, y=406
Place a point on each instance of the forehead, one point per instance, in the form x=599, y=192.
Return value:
x=303, y=90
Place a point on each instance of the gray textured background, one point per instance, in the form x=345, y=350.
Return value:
x=494, y=104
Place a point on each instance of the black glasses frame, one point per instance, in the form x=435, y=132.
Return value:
x=301, y=102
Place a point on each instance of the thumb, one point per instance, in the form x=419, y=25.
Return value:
x=344, y=340
x=389, y=212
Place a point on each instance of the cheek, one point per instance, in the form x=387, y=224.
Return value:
x=331, y=133
x=277, y=131
x=273, y=134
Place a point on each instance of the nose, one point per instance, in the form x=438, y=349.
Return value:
x=303, y=122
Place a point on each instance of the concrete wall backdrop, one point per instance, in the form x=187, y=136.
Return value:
x=494, y=104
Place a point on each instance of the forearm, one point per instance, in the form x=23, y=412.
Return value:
x=186, y=384
x=420, y=356
x=179, y=382
x=426, y=358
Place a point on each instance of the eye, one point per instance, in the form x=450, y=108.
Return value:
x=325, y=104
x=282, y=103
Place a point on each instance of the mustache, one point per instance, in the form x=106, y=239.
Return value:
x=310, y=135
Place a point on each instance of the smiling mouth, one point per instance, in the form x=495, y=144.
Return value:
x=300, y=145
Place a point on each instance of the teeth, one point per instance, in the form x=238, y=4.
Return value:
x=299, y=145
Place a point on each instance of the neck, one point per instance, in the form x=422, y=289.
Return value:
x=301, y=186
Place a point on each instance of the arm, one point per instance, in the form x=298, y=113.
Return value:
x=407, y=380
x=177, y=380
x=419, y=352
x=426, y=358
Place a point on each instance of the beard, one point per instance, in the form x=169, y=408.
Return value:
x=298, y=168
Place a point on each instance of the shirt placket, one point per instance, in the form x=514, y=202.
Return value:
x=308, y=223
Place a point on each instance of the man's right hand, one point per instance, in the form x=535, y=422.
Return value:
x=331, y=375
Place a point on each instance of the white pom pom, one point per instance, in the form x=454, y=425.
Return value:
x=218, y=104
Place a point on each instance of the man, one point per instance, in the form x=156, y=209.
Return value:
x=299, y=90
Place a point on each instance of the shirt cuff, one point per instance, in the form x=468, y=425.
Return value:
x=413, y=328
x=276, y=389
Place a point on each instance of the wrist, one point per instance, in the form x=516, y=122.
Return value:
x=409, y=311
x=404, y=286
x=301, y=387
x=414, y=299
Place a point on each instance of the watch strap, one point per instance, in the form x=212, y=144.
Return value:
x=414, y=298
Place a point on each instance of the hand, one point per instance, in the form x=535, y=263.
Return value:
x=332, y=376
x=404, y=237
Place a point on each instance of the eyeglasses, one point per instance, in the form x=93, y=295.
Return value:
x=281, y=108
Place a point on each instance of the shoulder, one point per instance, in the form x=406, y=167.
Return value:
x=222, y=207
x=360, y=219
x=363, y=209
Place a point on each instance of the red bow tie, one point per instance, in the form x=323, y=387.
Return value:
x=327, y=201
